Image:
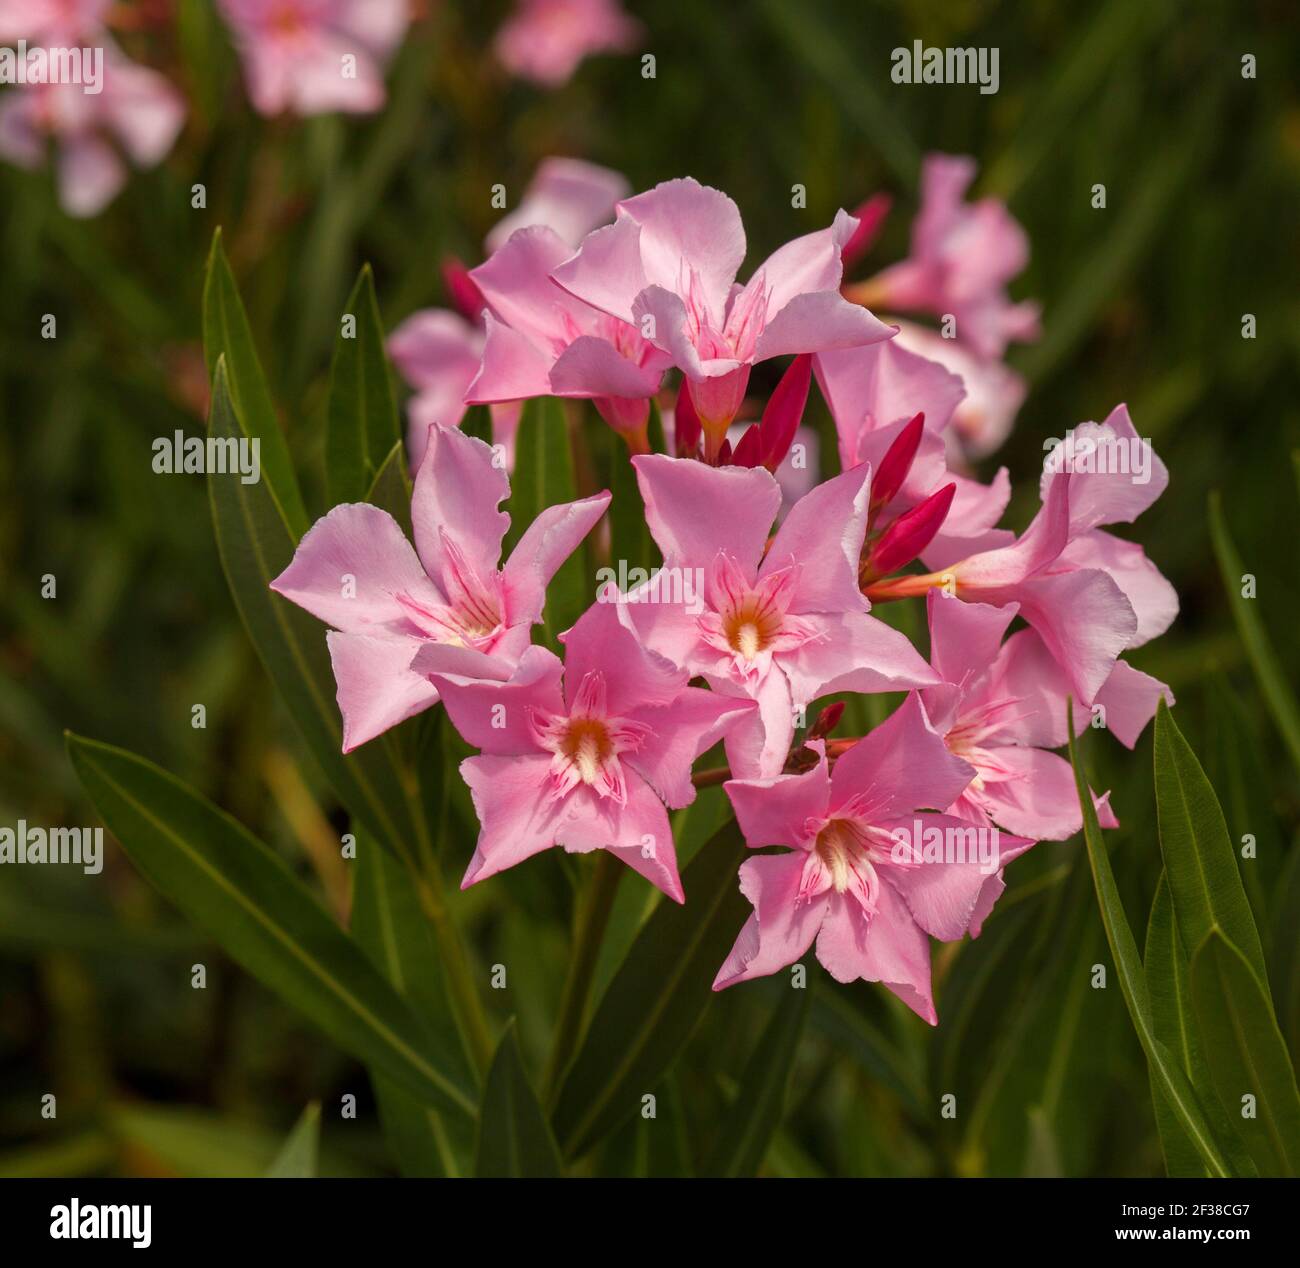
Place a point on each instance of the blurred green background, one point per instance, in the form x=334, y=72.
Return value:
x=1143, y=302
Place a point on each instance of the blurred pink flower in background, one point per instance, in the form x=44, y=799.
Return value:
x=137, y=116
x=438, y=351
x=316, y=56
x=962, y=257
x=52, y=23
x=545, y=40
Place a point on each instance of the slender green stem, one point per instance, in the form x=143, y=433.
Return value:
x=590, y=922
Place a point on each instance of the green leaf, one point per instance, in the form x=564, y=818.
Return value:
x=656, y=999
x=1279, y=697
x=1245, y=1053
x=514, y=1139
x=233, y=886
x=298, y=1159
x=1204, y=881
x=1165, y=1071
x=391, y=488
x=629, y=532
x=226, y=334
x=759, y=1107
x=256, y=545
x=543, y=477
x=389, y=926
x=1174, y=1024
x=362, y=422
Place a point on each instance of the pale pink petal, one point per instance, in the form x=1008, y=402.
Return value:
x=816, y=322
x=377, y=688
x=435, y=345
x=496, y=716
x=679, y=733
x=889, y=948
x=695, y=511
x=689, y=228
x=591, y=366
x=965, y=637
x=457, y=491
x=634, y=677
x=823, y=535
x=350, y=568
x=778, y=810
x=516, y=819
x=145, y=111
x=568, y=195
x=513, y=368
x=517, y=286
x=809, y=263
x=854, y=652
x=759, y=743
x=638, y=832
x=900, y=766
x=942, y=896
x=1153, y=599
x=90, y=175
x=1129, y=698
x=1041, y=802
x=606, y=272
x=782, y=927
x=547, y=542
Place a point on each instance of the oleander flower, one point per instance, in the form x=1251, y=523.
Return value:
x=783, y=623
x=439, y=351
x=545, y=40
x=1089, y=595
x=52, y=23
x=134, y=119
x=857, y=876
x=667, y=267
x=962, y=257
x=384, y=600
x=584, y=755
x=309, y=57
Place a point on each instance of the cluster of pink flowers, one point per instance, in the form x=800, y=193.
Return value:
x=591, y=752
x=300, y=57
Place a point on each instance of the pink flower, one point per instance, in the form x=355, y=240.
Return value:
x=874, y=394
x=667, y=266
x=962, y=257
x=1089, y=595
x=1000, y=705
x=316, y=56
x=137, y=113
x=541, y=341
x=858, y=876
x=52, y=23
x=355, y=570
x=783, y=624
x=439, y=352
x=994, y=393
x=545, y=40
x=567, y=195
x=588, y=766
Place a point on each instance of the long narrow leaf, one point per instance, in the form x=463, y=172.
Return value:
x=1204, y=881
x=231, y=885
x=226, y=335
x=1173, y=1083
x=655, y=1000
x=515, y=1139
x=1246, y=1055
